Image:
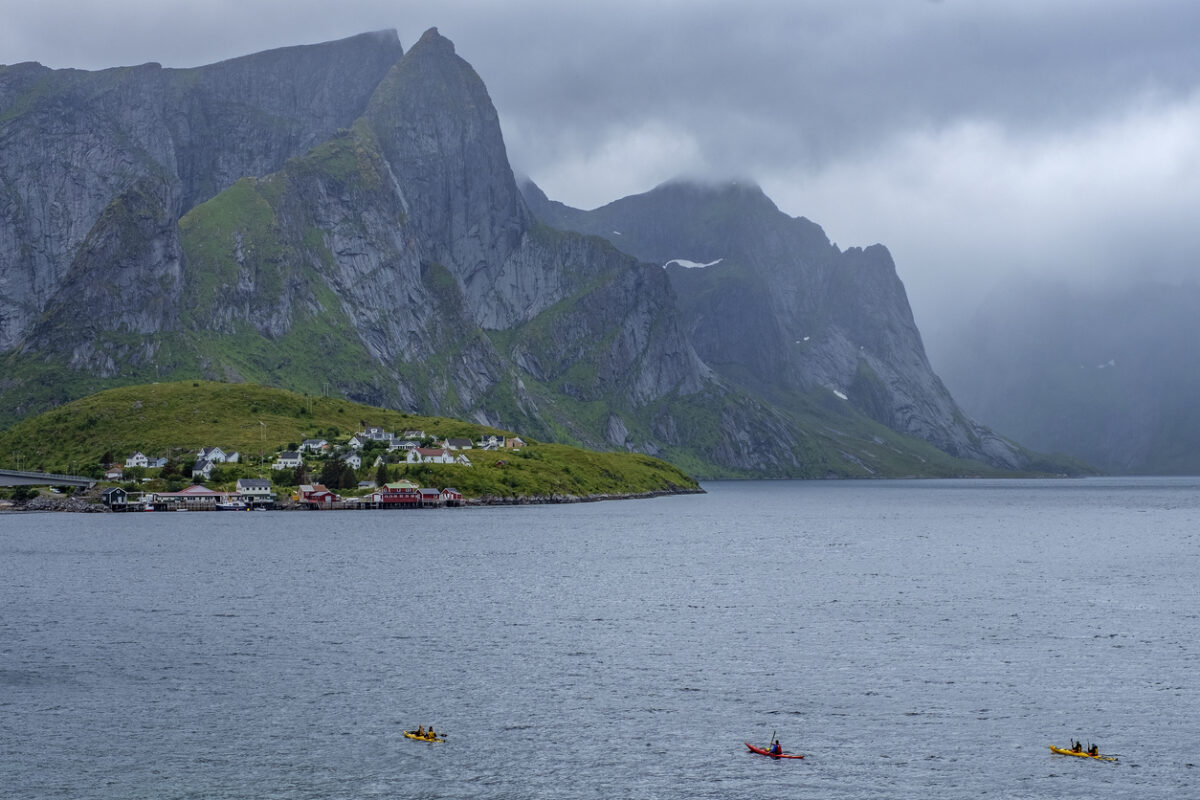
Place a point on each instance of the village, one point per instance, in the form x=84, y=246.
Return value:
x=337, y=464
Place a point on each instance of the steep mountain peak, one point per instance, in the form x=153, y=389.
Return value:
x=435, y=42
x=439, y=131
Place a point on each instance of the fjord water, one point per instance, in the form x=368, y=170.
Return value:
x=913, y=638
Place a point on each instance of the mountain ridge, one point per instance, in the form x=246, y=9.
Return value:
x=396, y=260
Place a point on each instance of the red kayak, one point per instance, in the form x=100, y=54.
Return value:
x=762, y=752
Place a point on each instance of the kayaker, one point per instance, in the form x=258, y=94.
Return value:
x=431, y=734
x=421, y=731
x=1077, y=747
x=776, y=748
x=1093, y=750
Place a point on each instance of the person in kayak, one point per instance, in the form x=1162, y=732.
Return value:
x=421, y=731
x=431, y=734
x=1077, y=746
x=776, y=749
x=1093, y=750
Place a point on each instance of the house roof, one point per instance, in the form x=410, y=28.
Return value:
x=193, y=491
x=253, y=483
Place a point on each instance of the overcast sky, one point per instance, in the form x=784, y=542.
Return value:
x=975, y=138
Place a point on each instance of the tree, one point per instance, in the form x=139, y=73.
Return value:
x=23, y=494
x=331, y=473
x=381, y=474
x=299, y=475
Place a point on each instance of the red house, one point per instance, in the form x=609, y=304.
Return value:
x=452, y=497
x=402, y=494
x=315, y=494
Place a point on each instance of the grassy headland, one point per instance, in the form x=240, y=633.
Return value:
x=175, y=420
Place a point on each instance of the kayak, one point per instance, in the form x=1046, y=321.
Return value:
x=763, y=752
x=412, y=735
x=1065, y=752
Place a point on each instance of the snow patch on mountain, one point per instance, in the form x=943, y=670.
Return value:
x=683, y=262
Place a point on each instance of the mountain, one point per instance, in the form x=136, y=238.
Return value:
x=1110, y=375
x=771, y=305
x=342, y=219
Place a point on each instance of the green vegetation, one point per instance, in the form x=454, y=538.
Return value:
x=177, y=419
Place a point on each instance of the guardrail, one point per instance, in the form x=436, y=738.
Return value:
x=12, y=477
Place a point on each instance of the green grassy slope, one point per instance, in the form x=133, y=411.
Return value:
x=181, y=417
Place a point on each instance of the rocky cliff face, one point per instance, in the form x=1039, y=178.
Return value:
x=344, y=219
x=72, y=143
x=778, y=309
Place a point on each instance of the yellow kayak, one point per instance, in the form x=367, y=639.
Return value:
x=413, y=735
x=1065, y=752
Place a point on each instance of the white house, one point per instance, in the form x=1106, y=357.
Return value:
x=288, y=459
x=430, y=455
x=202, y=468
x=213, y=454
x=354, y=460
x=403, y=444
x=377, y=434
x=491, y=442
x=357, y=441
x=314, y=445
x=458, y=444
x=137, y=460
x=256, y=490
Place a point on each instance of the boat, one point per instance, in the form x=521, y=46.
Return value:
x=1081, y=754
x=232, y=505
x=413, y=735
x=768, y=753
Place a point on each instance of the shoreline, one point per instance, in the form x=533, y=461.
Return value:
x=75, y=505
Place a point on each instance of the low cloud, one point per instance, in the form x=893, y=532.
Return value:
x=974, y=204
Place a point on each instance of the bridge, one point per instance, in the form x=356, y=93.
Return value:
x=10, y=477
